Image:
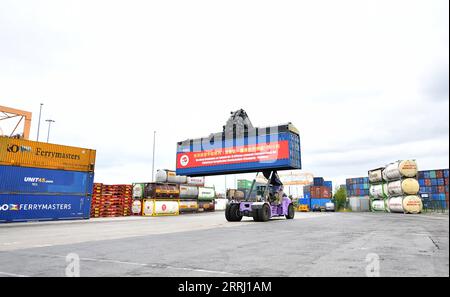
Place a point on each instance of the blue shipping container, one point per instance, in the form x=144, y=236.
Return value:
x=281, y=152
x=328, y=183
x=19, y=208
x=304, y=201
x=27, y=180
x=318, y=181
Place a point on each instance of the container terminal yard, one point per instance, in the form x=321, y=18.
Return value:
x=224, y=140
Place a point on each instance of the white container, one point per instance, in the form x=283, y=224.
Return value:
x=378, y=205
x=376, y=175
x=196, y=181
x=408, y=186
x=378, y=191
x=221, y=204
x=138, y=190
x=188, y=191
x=395, y=204
x=206, y=193
x=188, y=205
x=399, y=169
x=136, y=207
x=412, y=204
x=160, y=207
x=169, y=176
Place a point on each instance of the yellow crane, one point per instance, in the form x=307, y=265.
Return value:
x=7, y=113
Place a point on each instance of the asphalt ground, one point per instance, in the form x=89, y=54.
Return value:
x=313, y=244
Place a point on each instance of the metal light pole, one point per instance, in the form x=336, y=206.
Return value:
x=153, y=159
x=49, y=125
x=39, y=123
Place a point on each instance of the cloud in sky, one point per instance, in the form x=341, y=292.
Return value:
x=366, y=82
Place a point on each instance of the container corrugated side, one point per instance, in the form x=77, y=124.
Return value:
x=20, y=207
x=26, y=180
x=27, y=153
x=280, y=152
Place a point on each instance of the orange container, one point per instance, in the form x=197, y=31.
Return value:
x=27, y=153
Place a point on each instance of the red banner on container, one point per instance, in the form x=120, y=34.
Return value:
x=265, y=152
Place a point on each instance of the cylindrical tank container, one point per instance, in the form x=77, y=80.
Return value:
x=235, y=194
x=378, y=205
x=376, y=175
x=412, y=204
x=138, y=190
x=136, y=207
x=188, y=191
x=206, y=206
x=155, y=190
x=168, y=176
x=188, y=206
x=196, y=181
x=153, y=207
x=408, y=186
x=378, y=191
x=206, y=193
x=395, y=204
x=399, y=169
x=221, y=204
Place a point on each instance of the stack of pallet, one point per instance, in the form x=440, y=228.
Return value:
x=111, y=200
x=96, y=200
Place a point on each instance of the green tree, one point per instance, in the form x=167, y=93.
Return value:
x=340, y=198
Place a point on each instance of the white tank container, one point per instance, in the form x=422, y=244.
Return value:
x=378, y=191
x=136, y=207
x=399, y=169
x=395, y=204
x=221, y=204
x=160, y=207
x=138, y=190
x=168, y=176
x=196, y=181
x=408, y=186
x=378, y=205
x=188, y=191
x=206, y=193
x=376, y=175
x=412, y=204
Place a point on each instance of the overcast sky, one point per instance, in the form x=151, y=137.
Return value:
x=365, y=82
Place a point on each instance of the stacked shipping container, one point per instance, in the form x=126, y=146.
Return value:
x=357, y=187
x=42, y=181
x=172, y=194
x=318, y=194
x=434, y=188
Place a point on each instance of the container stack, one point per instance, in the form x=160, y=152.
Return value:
x=358, y=193
x=357, y=187
x=43, y=181
x=172, y=194
x=315, y=196
x=111, y=201
x=377, y=190
x=395, y=188
x=434, y=188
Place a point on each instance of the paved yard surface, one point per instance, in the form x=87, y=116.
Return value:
x=313, y=244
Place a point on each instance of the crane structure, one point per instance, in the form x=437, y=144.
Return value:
x=8, y=113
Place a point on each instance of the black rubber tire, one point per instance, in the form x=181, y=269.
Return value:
x=264, y=213
x=256, y=216
x=291, y=212
x=232, y=213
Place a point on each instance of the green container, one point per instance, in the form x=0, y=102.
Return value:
x=244, y=184
x=432, y=173
x=138, y=190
